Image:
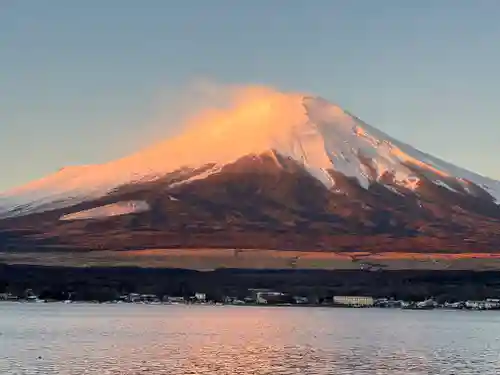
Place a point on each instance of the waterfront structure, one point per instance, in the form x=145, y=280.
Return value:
x=8, y=297
x=268, y=296
x=200, y=297
x=134, y=298
x=173, y=299
x=300, y=300
x=353, y=301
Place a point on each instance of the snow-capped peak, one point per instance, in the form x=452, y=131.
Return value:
x=319, y=135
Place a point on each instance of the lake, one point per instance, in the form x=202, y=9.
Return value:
x=157, y=339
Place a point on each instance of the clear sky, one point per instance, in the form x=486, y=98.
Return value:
x=86, y=81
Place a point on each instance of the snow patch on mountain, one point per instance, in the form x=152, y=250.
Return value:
x=109, y=210
x=199, y=176
x=67, y=187
x=445, y=185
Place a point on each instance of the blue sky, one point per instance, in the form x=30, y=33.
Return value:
x=85, y=82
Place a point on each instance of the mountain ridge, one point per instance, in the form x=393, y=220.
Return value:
x=275, y=171
x=317, y=134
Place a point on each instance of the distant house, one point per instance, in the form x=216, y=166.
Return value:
x=492, y=304
x=475, y=305
x=134, y=297
x=353, y=301
x=174, y=300
x=200, y=297
x=300, y=300
x=8, y=297
x=386, y=302
x=266, y=298
x=148, y=298
x=489, y=304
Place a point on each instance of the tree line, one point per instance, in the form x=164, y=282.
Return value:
x=108, y=283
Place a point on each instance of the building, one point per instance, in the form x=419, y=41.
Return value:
x=149, y=298
x=474, y=305
x=200, y=297
x=354, y=301
x=266, y=298
x=489, y=304
x=300, y=300
x=386, y=302
x=492, y=304
x=173, y=300
x=134, y=298
x=8, y=297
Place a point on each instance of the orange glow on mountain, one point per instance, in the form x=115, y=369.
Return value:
x=407, y=158
x=256, y=117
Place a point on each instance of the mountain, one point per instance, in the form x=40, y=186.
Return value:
x=274, y=171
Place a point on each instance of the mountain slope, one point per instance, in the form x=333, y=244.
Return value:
x=271, y=202
x=311, y=131
x=274, y=171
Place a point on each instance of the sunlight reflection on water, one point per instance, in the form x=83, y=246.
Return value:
x=138, y=339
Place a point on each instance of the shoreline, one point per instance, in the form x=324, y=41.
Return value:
x=254, y=305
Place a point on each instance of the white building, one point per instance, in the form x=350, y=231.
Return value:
x=201, y=297
x=353, y=301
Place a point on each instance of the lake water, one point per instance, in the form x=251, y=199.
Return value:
x=147, y=339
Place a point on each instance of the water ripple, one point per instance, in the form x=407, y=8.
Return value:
x=177, y=340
